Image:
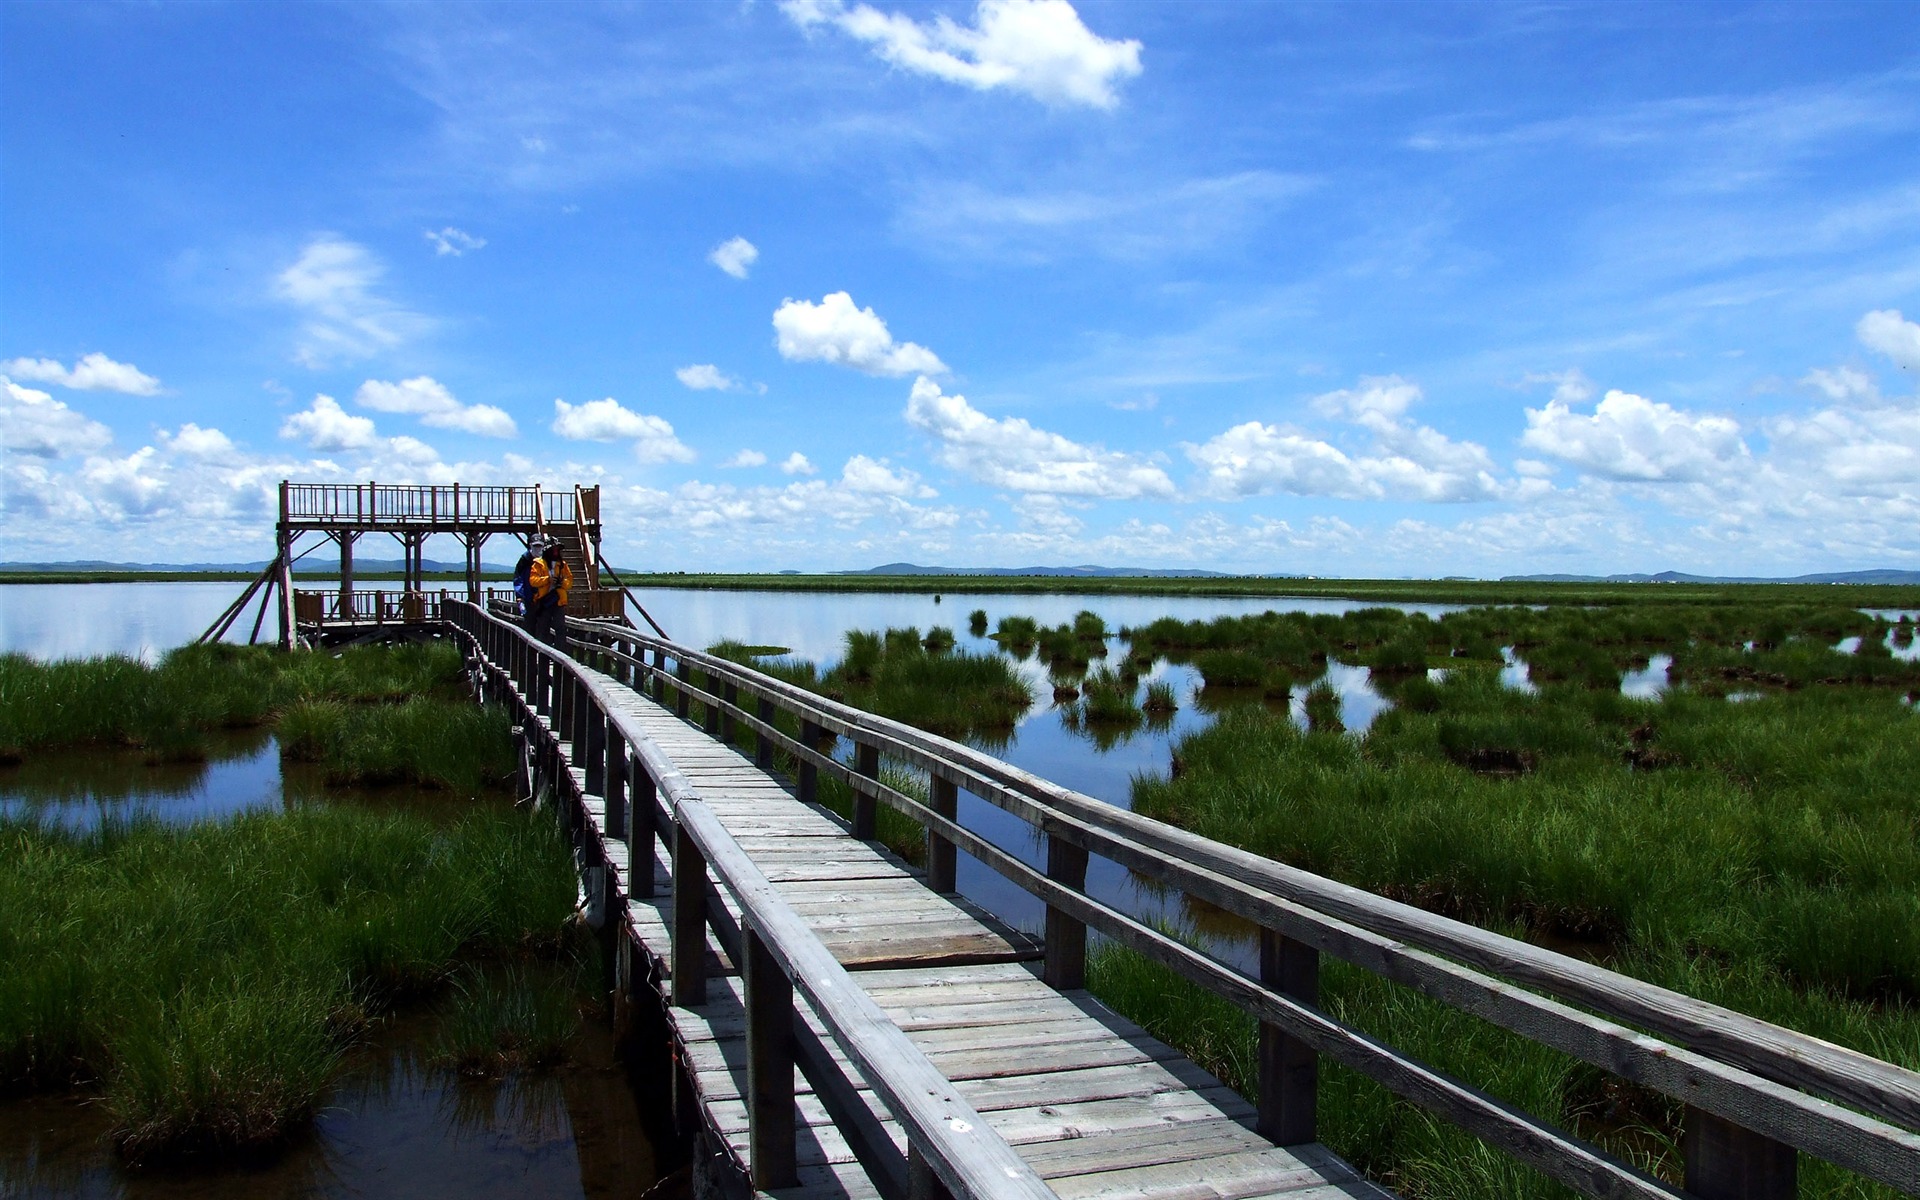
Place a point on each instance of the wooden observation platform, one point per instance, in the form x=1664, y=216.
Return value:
x=340, y=514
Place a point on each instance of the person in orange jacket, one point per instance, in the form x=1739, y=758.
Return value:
x=551, y=579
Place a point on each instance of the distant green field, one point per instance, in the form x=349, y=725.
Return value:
x=1439, y=591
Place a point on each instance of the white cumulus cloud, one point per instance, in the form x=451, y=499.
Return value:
x=93, y=373
x=838, y=331
x=1892, y=335
x=326, y=426
x=1629, y=437
x=334, y=282
x=608, y=420
x=1406, y=460
x=453, y=242
x=735, y=256
x=195, y=442
x=797, y=464
x=427, y=398
x=1037, y=47
x=746, y=458
x=705, y=377
x=878, y=478
x=1010, y=452
x=34, y=423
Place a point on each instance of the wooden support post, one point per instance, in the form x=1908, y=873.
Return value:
x=689, y=921
x=1065, y=967
x=594, y=760
x=922, y=1183
x=614, y=779
x=731, y=694
x=1289, y=1083
x=682, y=703
x=866, y=810
x=762, y=744
x=1727, y=1162
x=770, y=1110
x=642, y=826
x=522, y=765
x=347, y=538
x=809, y=781
x=659, y=676
x=943, y=796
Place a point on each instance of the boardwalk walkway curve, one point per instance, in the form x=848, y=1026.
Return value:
x=608, y=730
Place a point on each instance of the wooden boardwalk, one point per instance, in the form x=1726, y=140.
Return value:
x=847, y=1026
x=1096, y=1106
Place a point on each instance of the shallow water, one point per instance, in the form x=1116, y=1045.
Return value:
x=1650, y=681
x=390, y=1126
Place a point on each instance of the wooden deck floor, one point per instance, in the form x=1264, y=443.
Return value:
x=1094, y=1104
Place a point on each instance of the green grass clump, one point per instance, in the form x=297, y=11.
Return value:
x=515, y=1017
x=1109, y=700
x=954, y=693
x=977, y=622
x=205, y=978
x=939, y=640
x=168, y=709
x=450, y=744
x=1017, y=635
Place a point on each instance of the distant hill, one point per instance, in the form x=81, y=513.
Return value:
x=1084, y=572
x=1882, y=576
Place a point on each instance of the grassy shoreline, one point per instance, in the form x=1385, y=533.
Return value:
x=1748, y=838
x=205, y=979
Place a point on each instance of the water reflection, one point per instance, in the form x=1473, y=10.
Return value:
x=1650, y=681
x=1516, y=674
x=81, y=788
x=390, y=1126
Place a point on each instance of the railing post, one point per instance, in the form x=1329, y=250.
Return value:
x=1728, y=1162
x=922, y=1183
x=763, y=744
x=1289, y=1083
x=660, y=676
x=943, y=796
x=731, y=694
x=770, y=1111
x=614, y=779
x=595, y=750
x=689, y=920
x=866, y=762
x=808, y=784
x=1066, y=943
x=682, y=702
x=642, y=826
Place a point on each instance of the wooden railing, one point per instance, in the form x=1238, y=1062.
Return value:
x=386, y=608
x=1756, y=1095
x=646, y=798
x=348, y=504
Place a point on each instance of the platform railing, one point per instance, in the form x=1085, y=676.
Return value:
x=580, y=727
x=1755, y=1095
x=344, y=505
x=311, y=607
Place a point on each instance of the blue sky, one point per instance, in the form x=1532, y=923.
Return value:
x=1336, y=289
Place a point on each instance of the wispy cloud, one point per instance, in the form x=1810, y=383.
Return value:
x=427, y=398
x=451, y=242
x=735, y=256
x=1038, y=47
x=335, y=282
x=92, y=373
